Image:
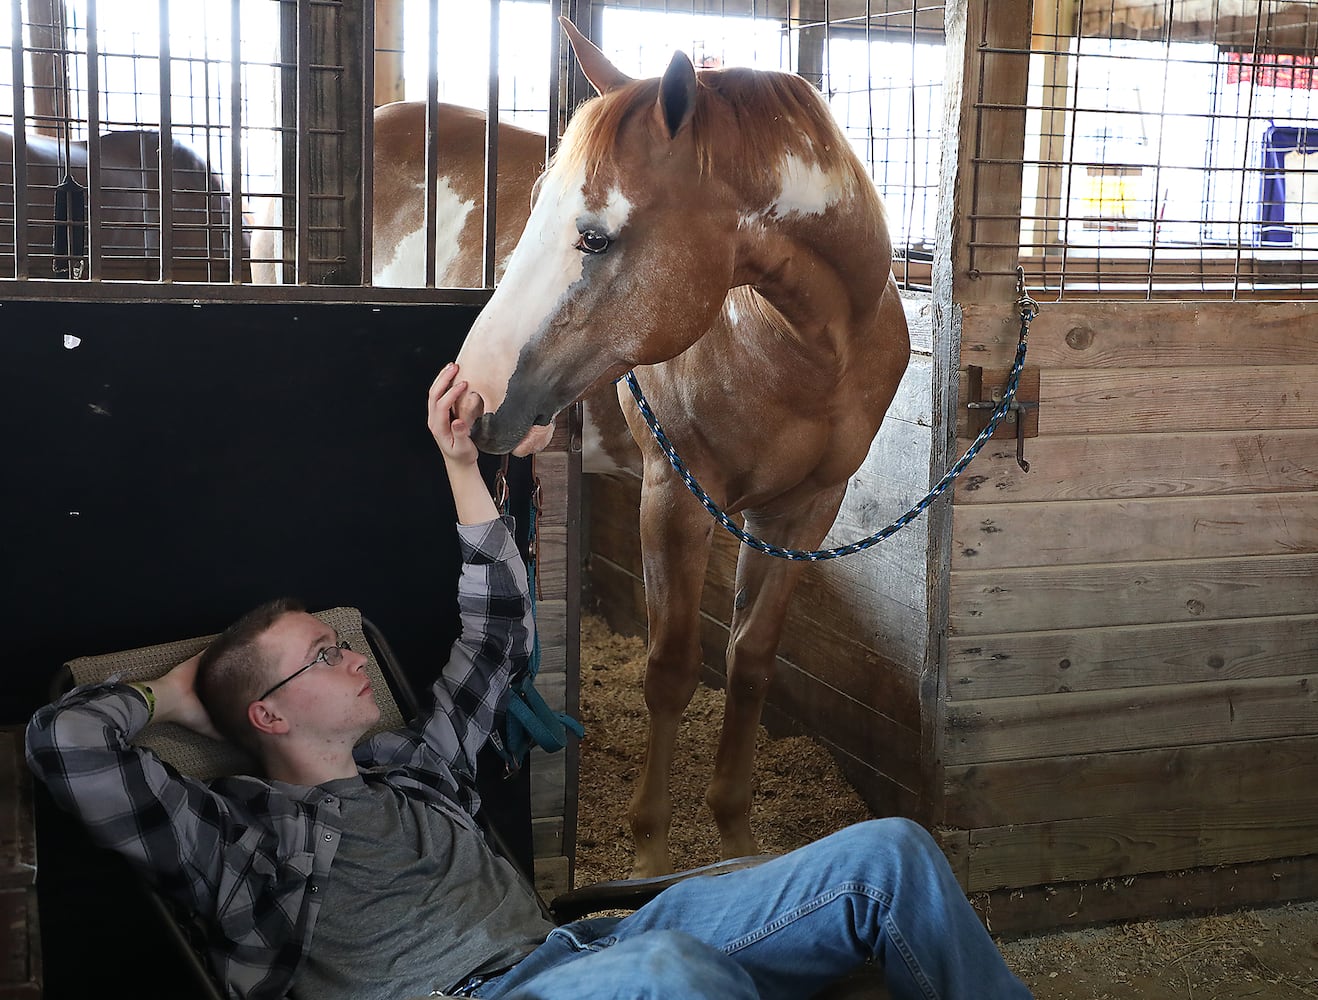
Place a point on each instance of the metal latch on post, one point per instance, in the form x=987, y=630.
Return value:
x=1022, y=417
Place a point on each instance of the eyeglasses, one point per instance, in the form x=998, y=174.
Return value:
x=332, y=655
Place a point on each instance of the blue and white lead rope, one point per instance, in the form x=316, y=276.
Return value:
x=1028, y=310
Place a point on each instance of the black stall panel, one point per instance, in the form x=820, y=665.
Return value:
x=169, y=466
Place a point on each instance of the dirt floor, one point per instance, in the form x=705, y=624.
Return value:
x=800, y=796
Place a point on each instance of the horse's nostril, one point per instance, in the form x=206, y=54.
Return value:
x=470, y=407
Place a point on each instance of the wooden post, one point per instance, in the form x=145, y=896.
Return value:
x=991, y=141
x=977, y=239
x=47, y=80
x=806, y=17
x=389, y=40
x=1054, y=25
x=329, y=155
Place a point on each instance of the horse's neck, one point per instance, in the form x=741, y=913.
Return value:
x=815, y=245
x=823, y=270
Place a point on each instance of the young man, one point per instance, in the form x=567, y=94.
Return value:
x=354, y=872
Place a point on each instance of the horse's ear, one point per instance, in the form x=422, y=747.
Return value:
x=677, y=93
x=601, y=73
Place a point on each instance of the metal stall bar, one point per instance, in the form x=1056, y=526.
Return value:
x=287, y=196
x=366, y=213
x=432, y=139
x=911, y=179
x=828, y=86
x=93, y=146
x=871, y=162
x=302, y=260
x=1151, y=271
x=491, y=150
x=235, y=144
x=555, y=64
x=1241, y=237
x=349, y=105
x=20, y=142
x=209, y=222
x=1071, y=131
x=166, y=177
x=46, y=65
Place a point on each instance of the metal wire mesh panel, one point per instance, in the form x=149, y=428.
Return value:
x=880, y=63
x=265, y=168
x=1171, y=149
x=81, y=101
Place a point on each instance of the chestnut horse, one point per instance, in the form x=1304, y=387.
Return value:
x=398, y=158
x=715, y=231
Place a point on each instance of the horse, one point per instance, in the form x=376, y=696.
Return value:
x=398, y=159
x=398, y=211
x=716, y=232
x=129, y=233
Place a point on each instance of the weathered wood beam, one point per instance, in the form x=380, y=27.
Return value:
x=389, y=41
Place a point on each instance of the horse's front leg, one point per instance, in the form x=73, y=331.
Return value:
x=763, y=593
x=675, y=540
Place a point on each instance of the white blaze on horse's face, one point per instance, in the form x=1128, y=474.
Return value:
x=546, y=266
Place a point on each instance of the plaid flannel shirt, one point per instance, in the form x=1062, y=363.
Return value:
x=248, y=854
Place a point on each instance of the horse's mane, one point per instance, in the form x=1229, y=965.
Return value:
x=747, y=301
x=777, y=114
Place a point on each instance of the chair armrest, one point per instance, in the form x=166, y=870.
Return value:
x=631, y=893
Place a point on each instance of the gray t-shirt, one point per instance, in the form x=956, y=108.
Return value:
x=415, y=902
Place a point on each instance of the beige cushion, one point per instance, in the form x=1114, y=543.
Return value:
x=200, y=756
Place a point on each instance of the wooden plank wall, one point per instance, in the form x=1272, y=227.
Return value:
x=554, y=776
x=1132, y=663
x=20, y=930
x=1126, y=634
x=854, y=646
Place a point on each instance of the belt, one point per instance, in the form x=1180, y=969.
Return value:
x=471, y=984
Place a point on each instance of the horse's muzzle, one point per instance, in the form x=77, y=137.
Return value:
x=520, y=438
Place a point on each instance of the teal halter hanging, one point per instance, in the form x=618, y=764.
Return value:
x=529, y=721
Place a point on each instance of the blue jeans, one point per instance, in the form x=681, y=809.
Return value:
x=878, y=891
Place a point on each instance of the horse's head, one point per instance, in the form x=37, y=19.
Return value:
x=626, y=258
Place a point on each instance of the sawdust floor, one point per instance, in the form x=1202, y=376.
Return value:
x=800, y=796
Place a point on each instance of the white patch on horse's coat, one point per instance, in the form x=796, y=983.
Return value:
x=595, y=458
x=406, y=268
x=544, y=265
x=617, y=210
x=806, y=189
x=731, y=308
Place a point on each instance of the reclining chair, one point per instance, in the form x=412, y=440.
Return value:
x=204, y=758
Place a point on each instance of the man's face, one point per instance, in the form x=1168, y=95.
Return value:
x=324, y=703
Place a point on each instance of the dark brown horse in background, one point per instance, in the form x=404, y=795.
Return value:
x=129, y=233
x=716, y=232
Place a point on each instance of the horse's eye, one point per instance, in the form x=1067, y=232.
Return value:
x=592, y=242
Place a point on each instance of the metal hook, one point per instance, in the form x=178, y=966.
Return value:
x=501, y=486
x=1028, y=307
